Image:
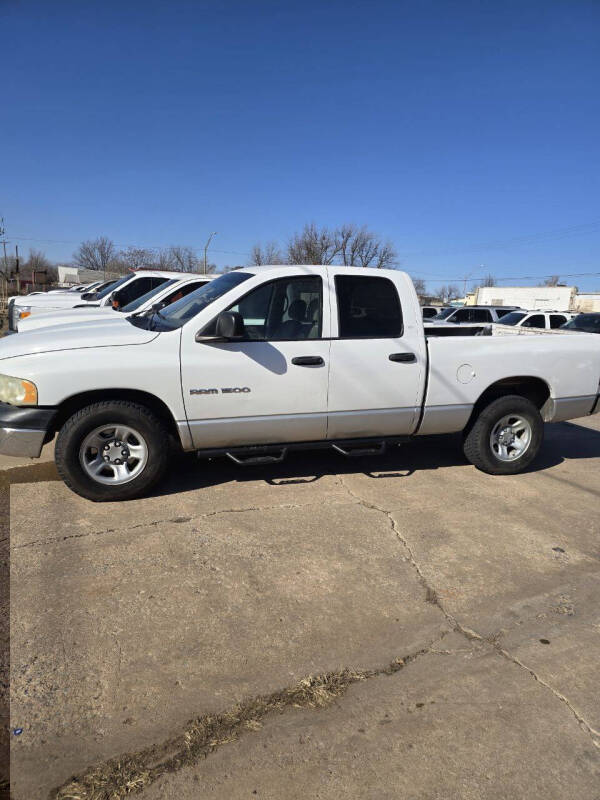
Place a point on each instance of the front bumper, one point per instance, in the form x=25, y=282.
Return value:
x=23, y=431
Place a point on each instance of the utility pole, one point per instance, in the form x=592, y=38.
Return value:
x=4, y=243
x=214, y=233
x=17, y=269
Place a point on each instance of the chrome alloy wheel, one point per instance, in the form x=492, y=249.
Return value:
x=113, y=454
x=510, y=437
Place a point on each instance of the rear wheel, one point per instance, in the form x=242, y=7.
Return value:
x=505, y=437
x=113, y=450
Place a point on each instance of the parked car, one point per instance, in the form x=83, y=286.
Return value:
x=168, y=292
x=472, y=314
x=548, y=320
x=263, y=360
x=130, y=287
x=587, y=323
x=80, y=288
x=429, y=312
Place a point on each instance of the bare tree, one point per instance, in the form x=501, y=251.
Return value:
x=348, y=245
x=551, y=281
x=489, y=280
x=181, y=259
x=136, y=257
x=36, y=261
x=312, y=246
x=184, y=259
x=269, y=254
x=448, y=293
x=98, y=254
x=420, y=286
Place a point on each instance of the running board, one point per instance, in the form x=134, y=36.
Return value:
x=247, y=455
x=258, y=455
x=354, y=451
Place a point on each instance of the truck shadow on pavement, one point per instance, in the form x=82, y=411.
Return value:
x=563, y=441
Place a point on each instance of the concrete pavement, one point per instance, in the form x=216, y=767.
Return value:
x=129, y=620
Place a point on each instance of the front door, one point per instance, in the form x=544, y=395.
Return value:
x=271, y=386
x=377, y=361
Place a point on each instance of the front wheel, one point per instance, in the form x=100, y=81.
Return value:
x=505, y=437
x=113, y=450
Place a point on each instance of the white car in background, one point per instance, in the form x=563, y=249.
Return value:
x=80, y=288
x=130, y=286
x=545, y=320
x=467, y=315
x=168, y=292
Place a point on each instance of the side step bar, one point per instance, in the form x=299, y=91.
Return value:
x=275, y=458
x=250, y=455
x=361, y=450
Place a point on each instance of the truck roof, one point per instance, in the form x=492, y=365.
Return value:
x=316, y=268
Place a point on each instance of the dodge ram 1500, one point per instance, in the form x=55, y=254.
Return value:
x=262, y=360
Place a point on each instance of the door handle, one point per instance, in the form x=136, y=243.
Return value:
x=404, y=358
x=308, y=361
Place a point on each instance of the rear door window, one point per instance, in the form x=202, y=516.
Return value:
x=139, y=287
x=535, y=321
x=480, y=315
x=556, y=320
x=368, y=308
x=472, y=315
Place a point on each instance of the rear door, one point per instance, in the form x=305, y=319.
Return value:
x=377, y=357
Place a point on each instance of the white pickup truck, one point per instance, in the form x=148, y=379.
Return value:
x=266, y=359
x=130, y=286
x=168, y=292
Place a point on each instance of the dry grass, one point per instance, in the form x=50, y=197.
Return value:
x=129, y=774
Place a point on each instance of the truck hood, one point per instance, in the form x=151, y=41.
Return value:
x=46, y=319
x=75, y=336
x=52, y=301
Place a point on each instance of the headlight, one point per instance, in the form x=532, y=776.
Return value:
x=24, y=311
x=17, y=392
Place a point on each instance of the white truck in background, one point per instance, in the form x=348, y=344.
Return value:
x=263, y=360
x=169, y=291
x=130, y=286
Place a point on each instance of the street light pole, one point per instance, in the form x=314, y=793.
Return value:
x=214, y=233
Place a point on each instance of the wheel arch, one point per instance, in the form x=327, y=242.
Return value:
x=75, y=402
x=532, y=388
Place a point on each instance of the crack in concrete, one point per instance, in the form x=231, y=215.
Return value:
x=154, y=523
x=593, y=733
x=431, y=596
x=133, y=772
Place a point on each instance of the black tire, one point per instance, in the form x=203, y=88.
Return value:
x=134, y=415
x=477, y=444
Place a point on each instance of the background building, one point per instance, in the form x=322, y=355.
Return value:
x=587, y=301
x=551, y=298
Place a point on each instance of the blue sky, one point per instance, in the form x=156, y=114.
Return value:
x=466, y=132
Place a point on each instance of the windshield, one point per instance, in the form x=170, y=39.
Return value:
x=135, y=304
x=589, y=323
x=178, y=313
x=513, y=318
x=445, y=313
x=111, y=287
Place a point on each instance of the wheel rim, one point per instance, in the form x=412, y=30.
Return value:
x=113, y=454
x=510, y=437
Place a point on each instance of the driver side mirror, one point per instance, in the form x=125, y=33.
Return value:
x=228, y=327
